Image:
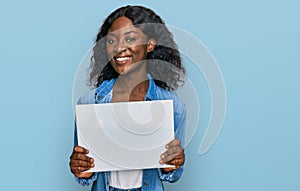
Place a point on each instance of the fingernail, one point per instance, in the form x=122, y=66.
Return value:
x=162, y=156
x=161, y=162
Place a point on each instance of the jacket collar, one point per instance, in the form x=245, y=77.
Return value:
x=105, y=89
x=151, y=93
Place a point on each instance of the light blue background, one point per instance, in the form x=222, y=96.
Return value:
x=255, y=43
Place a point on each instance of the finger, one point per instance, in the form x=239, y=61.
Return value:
x=176, y=162
x=79, y=149
x=80, y=163
x=172, y=150
x=165, y=158
x=79, y=156
x=77, y=170
x=174, y=142
x=78, y=166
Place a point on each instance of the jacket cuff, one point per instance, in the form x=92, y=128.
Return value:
x=86, y=181
x=171, y=176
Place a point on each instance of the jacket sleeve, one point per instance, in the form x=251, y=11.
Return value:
x=86, y=181
x=83, y=181
x=87, y=99
x=179, y=127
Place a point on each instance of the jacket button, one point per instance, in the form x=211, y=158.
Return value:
x=145, y=184
x=98, y=98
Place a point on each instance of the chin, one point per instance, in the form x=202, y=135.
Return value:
x=126, y=70
x=121, y=71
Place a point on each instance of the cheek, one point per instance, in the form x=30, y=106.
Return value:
x=109, y=52
x=140, y=51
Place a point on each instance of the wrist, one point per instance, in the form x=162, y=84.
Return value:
x=84, y=175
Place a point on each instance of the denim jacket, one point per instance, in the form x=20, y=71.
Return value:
x=152, y=178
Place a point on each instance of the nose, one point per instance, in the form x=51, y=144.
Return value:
x=120, y=46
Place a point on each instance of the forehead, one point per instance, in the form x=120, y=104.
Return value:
x=123, y=25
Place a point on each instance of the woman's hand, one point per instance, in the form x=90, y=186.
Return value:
x=80, y=162
x=173, y=156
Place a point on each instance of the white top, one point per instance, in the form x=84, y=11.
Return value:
x=126, y=179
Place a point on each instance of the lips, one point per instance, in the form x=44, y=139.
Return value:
x=122, y=59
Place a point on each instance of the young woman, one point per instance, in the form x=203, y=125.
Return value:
x=134, y=59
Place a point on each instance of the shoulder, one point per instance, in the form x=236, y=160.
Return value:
x=102, y=90
x=88, y=98
x=163, y=94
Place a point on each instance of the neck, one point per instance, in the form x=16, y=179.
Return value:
x=133, y=80
x=127, y=83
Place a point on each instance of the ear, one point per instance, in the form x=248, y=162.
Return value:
x=151, y=44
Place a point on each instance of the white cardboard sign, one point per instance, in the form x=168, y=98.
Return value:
x=125, y=135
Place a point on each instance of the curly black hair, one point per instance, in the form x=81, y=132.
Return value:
x=163, y=63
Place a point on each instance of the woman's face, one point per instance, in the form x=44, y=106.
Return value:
x=127, y=46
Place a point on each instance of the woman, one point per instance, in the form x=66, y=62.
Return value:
x=135, y=59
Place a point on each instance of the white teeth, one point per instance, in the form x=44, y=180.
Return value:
x=122, y=59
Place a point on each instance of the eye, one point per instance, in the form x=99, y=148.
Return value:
x=111, y=41
x=130, y=39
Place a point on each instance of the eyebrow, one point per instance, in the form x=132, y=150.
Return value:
x=129, y=32
x=126, y=33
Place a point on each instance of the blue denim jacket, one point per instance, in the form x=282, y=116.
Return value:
x=152, y=178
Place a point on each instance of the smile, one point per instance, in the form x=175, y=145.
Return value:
x=122, y=60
